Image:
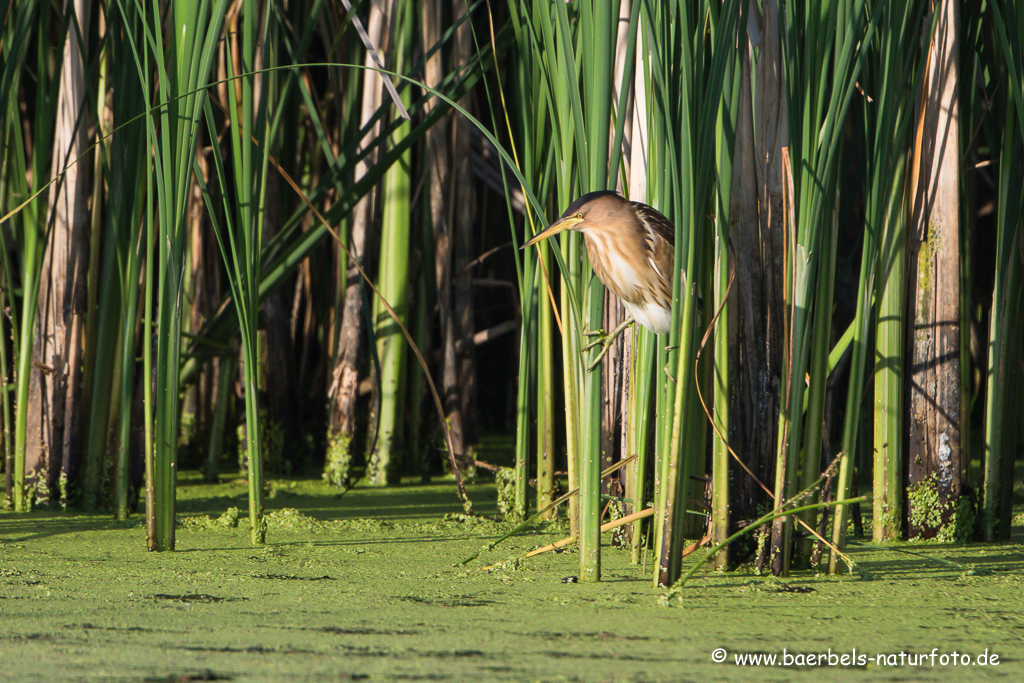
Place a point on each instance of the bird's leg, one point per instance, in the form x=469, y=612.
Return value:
x=605, y=341
x=667, y=373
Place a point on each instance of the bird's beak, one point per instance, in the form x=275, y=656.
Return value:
x=561, y=225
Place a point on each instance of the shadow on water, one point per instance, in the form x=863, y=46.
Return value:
x=410, y=502
x=22, y=527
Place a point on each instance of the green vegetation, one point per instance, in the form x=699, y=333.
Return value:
x=286, y=235
x=338, y=593
x=946, y=521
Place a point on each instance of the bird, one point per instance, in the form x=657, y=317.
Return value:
x=631, y=249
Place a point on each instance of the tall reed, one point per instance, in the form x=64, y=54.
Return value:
x=1004, y=398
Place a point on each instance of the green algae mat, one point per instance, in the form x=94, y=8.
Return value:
x=364, y=586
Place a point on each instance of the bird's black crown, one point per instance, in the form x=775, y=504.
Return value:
x=590, y=196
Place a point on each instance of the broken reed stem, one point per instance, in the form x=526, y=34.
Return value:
x=615, y=524
x=617, y=466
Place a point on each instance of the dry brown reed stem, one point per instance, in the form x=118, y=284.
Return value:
x=614, y=524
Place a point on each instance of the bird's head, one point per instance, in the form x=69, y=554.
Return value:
x=591, y=211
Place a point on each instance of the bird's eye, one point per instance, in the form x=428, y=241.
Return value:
x=579, y=215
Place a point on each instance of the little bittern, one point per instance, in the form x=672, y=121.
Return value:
x=631, y=249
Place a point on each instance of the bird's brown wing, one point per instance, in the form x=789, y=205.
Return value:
x=660, y=234
x=655, y=223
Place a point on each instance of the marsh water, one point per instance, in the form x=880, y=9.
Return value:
x=366, y=585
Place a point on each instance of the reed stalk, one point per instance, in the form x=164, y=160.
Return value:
x=184, y=67
x=1003, y=433
x=703, y=137
x=893, y=71
x=394, y=279
x=545, y=387
x=823, y=52
x=700, y=45
x=25, y=22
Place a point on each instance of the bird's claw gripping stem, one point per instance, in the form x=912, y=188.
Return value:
x=605, y=341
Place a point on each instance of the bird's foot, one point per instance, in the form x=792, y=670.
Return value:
x=604, y=341
x=600, y=334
